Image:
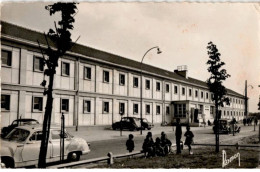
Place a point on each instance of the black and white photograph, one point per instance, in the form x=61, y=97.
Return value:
x=130, y=85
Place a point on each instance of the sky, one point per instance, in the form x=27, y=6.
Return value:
x=181, y=30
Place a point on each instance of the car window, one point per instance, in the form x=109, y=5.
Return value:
x=56, y=134
x=14, y=123
x=37, y=136
x=18, y=135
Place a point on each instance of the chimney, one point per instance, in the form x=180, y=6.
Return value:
x=182, y=71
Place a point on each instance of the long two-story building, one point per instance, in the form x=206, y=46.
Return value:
x=93, y=87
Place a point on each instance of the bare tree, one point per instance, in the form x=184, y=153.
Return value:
x=215, y=84
x=61, y=37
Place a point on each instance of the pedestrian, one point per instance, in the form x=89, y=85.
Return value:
x=148, y=145
x=248, y=121
x=209, y=123
x=178, y=134
x=189, y=139
x=165, y=143
x=244, y=121
x=256, y=120
x=158, y=147
x=130, y=144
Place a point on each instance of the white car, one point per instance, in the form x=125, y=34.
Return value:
x=21, y=147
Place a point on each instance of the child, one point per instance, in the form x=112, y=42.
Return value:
x=158, y=147
x=189, y=139
x=130, y=145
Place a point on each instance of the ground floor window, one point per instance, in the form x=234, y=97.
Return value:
x=5, y=102
x=167, y=110
x=147, y=107
x=105, y=107
x=180, y=110
x=121, y=108
x=37, y=104
x=87, y=106
x=135, y=110
x=158, y=110
x=64, y=105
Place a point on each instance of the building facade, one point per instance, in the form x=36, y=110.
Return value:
x=92, y=87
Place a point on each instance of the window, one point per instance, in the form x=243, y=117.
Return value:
x=147, y=84
x=37, y=103
x=180, y=110
x=183, y=91
x=211, y=110
x=148, y=110
x=201, y=109
x=38, y=63
x=64, y=105
x=135, y=82
x=105, y=107
x=202, y=95
x=87, y=106
x=121, y=79
x=190, y=92
x=224, y=113
x=6, y=57
x=37, y=136
x=196, y=93
x=105, y=76
x=227, y=113
x=121, y=108
x=167, y=89
x=65, y=69
x=56, y=134
x=158, y=110
x=135, y=109
x=167, y=110
x=87, y=73
x=207, y=95
x=158, y=86
x=175, y=89
x=5, y=102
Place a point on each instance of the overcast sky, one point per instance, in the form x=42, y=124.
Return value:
x=181, y=30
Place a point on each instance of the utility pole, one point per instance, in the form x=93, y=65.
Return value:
x=246, y=99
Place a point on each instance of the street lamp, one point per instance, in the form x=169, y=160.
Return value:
x=141, y=84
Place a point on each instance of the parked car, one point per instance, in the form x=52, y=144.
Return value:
x=226, y=127
x=130, y=123
x=146, y=124
x=21, y=147
x=17, y=122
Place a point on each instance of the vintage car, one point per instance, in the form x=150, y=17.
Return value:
x=17, y=122
x=146, y=124
x=129, y=123
x=226, y=127
x=21, y=147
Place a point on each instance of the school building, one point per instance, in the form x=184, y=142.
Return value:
x=93, y=87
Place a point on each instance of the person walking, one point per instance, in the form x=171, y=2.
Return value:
x=130, y=144
x=178, y=134
x=244, y=121
x=189, y=139
x=256, y=121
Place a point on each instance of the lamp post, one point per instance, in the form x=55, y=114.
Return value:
x=141, y=85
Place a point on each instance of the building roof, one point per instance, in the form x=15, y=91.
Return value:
x=33, y=36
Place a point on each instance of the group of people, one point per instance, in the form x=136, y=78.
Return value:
x=162, y=145
x=249, y=121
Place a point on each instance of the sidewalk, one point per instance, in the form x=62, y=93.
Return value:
x=99, y=133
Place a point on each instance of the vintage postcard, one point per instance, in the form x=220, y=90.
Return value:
x=130, y=85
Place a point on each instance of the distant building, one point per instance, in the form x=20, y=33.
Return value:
x=93, y=87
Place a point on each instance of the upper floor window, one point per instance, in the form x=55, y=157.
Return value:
x=37, y=103
x=167, y=89
x=202, y=95
x=175, y=89
x=135, y=110
x=190, y=92
x=167, y=110
x=65, y=69
x=147, y=84
x=105, y=107
x=6, y=58
x=196, y=93
x=5, y=102
x=64, y=105
x=38, y=63
x=121, y=79
x=158, y=110
x=87, y=73
x=87, y=106
x=207, y=95
x=158, y=86
x=183, y=91
x=105, y=76
x=148, y=110
x=121, y=108
x=135, y=82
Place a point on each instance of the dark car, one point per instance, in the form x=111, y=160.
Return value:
x=18, y=122
x=226, y=127
x=130, y=123
x=146, y=124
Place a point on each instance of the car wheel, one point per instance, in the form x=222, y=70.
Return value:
x=7, y=162
x=73, y=156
